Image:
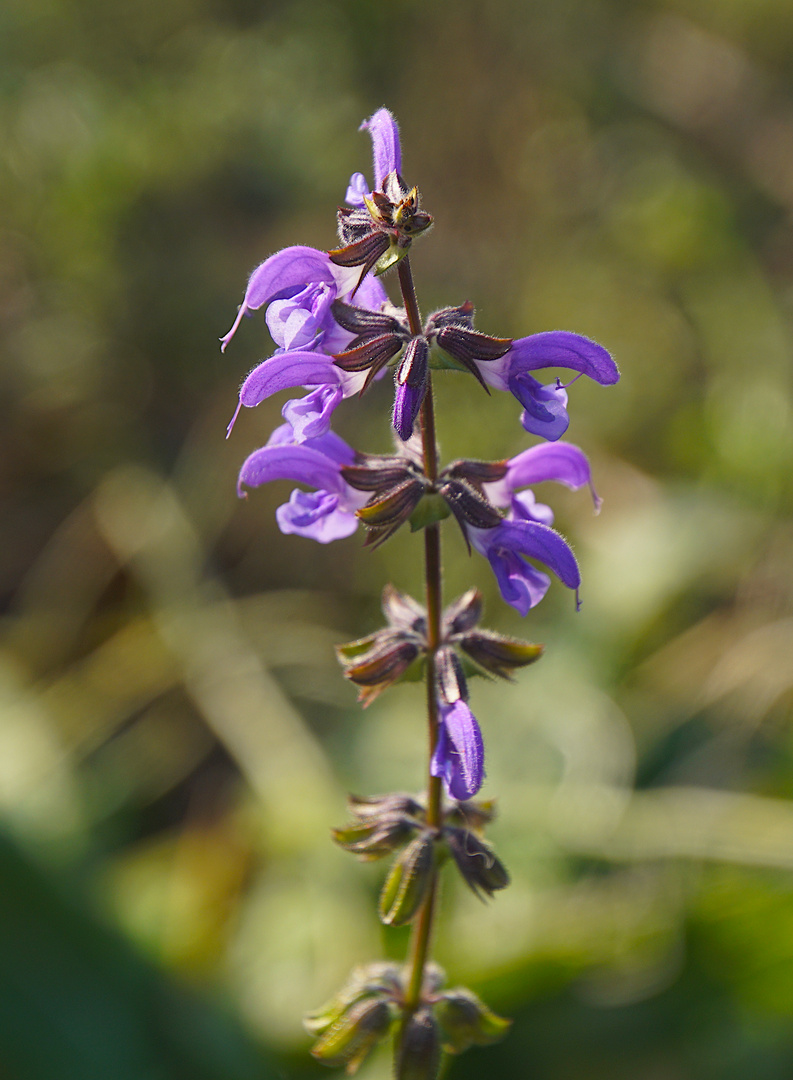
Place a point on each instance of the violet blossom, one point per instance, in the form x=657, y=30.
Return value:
x=325, y=514
x=298, y=285
x=526, y=530
x=386, y=152
x=545, y=407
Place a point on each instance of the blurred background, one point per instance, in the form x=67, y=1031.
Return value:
x=175, y=737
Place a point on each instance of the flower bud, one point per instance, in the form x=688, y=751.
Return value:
x=466, y=345
x=362, y=321
x=471, y=814
x=378, y=660
x=403, y=612
x=466, y=1021
x=376, y=837
x=477, y=472
x=383, y=663
x=408, y=880
x=376, y=472
x=463, y=614
x=481, y=869
x=364, y=252
x=369, y=353
x=389, y=509
x=396, y=802
x=462, y=316
x=468, y=505
x=382, y=979
x=418, y=1055
x=350, y=1038
x=497, y=653
x=450, y=681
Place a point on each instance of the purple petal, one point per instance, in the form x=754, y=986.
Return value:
x=407, y=402
x=336, y=449
x=317, y=516
x=521, y=585
x=287, y=272
x=282, y=275
x=356, y=190
x=310, y=416
x=283, y=435
x=559, y=461
x=385, y=145
x=459, y=756
x=559, y=348
x=524, y=507
x=541, y=543
x=298, y=320
x=286, y=370
x=545, y=407
x=303, y=464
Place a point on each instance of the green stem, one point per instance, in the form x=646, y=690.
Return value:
x=422, y=928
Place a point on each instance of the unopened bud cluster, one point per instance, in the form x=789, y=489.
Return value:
x=373, y=1002
x=379, y=234
x=396, y=652
x=385, y=824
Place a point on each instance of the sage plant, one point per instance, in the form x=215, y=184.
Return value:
x=337, y=330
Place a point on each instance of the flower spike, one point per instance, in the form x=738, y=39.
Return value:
x=336, y=331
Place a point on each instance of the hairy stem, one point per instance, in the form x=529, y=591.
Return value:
x=422, y=928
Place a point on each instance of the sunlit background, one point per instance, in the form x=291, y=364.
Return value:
x=175, y=737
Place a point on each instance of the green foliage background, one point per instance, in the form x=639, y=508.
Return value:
x=175, y=739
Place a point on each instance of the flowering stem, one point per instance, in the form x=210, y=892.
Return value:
x=422, y=929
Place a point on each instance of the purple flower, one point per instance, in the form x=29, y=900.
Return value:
x=378, y=225
x=526, y=531
x=387, y=156
x=559, y=461
x=545, y=407
x=323, y=515
x=459, y=756
x=284, y=275
x=300, y=284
